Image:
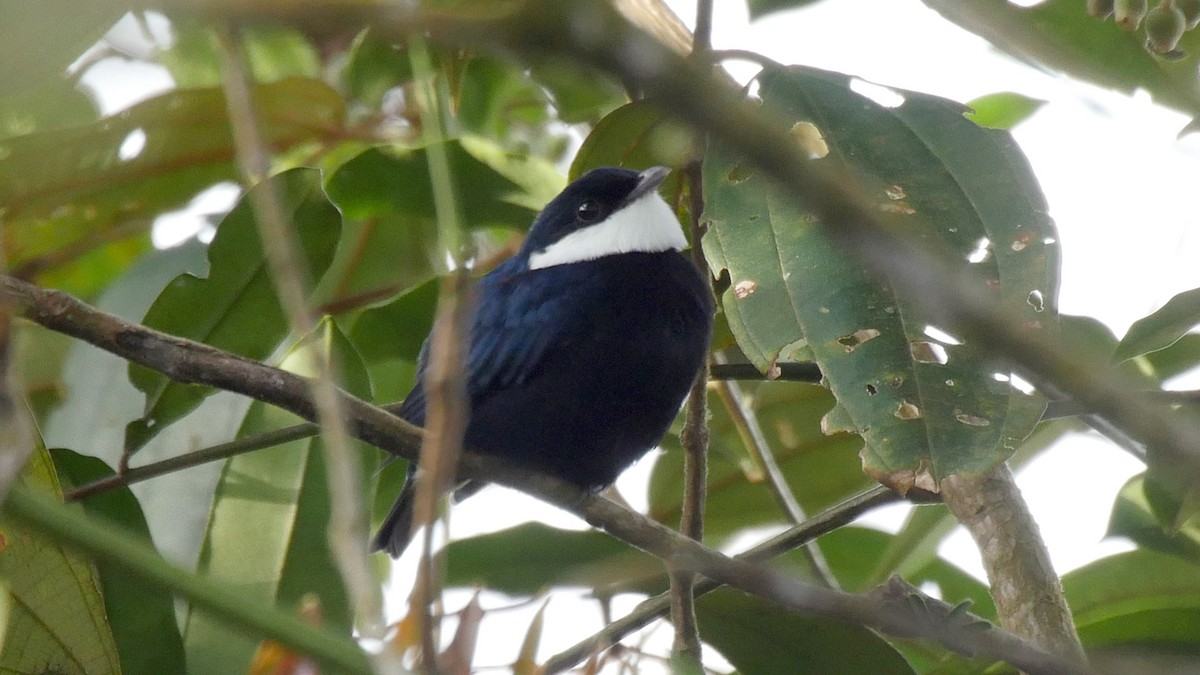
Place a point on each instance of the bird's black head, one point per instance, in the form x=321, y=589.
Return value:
x=607, y=211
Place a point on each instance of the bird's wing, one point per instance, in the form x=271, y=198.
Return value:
x=515, y=324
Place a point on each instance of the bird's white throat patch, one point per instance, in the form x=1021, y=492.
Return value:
x=646, y=226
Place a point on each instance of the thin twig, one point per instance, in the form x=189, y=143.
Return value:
x=686, y=650
x=755, y=441
x=347, y=518
x=444, y=379
x=192, y=459
x=694, y=438
x=17, y=441
x=799, y=371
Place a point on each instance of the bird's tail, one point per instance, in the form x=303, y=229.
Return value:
x=396, y=531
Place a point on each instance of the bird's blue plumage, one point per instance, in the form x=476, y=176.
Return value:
x=577, y=369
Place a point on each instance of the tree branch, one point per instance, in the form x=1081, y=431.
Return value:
x=658, y=606
x=195, y=363
x=1029, y=598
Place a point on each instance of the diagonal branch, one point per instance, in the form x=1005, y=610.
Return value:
x=195, y=363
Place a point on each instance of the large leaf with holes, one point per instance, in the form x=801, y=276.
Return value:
x=235, y=307
x=1061, y=35
x=56, y=622
x=926, y=405
x=267, y=531
x=69, y=191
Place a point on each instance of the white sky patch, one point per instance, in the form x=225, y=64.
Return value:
x=133, y=145
x=941, y=336
x=647, y=225
x=175, y=227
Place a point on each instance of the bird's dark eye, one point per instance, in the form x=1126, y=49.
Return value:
x=589, y=211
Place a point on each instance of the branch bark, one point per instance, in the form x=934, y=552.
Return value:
x=889, y=610
x=1029, y=598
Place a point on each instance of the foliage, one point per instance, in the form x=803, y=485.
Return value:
x=902, y=402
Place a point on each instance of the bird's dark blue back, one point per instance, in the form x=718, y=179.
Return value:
x=576, y=370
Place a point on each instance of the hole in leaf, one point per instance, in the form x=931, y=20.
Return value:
x=983, y=249
x=901, y=208
x=884, y=96
x=744, y=288
x=853, y=340
x=928, y=352
x=871, y=390
x=1036, y=301
x=1023, y=240
x=972, y=420
x=132, y=146
x=1021, y=384
x=941, y=335
x=907, y=411
x=810, y=140
x=739, y=173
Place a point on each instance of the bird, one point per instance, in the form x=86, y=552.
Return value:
x=583, y=345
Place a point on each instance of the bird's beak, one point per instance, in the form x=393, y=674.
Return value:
x=648, y=181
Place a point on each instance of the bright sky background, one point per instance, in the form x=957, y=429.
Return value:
x=1119, y=183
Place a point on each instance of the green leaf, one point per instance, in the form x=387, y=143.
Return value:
x=852, y=553
x=1059, y=34
x=1133, y=517
x=142, y=618
x=273, y=53
x=396, y=180
x=820, y=469
x=760, y=8
x=385, y=195
x=927, y=407
x=235, y=307
x=50, y=105
x=1002, y=110
x=267, y=529
x=577, y=99
x=42, y=39
x=1140, y=597
x=397, y=329
x=759, y=637
x=528, y=558
x=1180, y=357
x=72, y=189
x=57, y=620
x=1162, y=328
x=637, y=135
x=374, y=66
